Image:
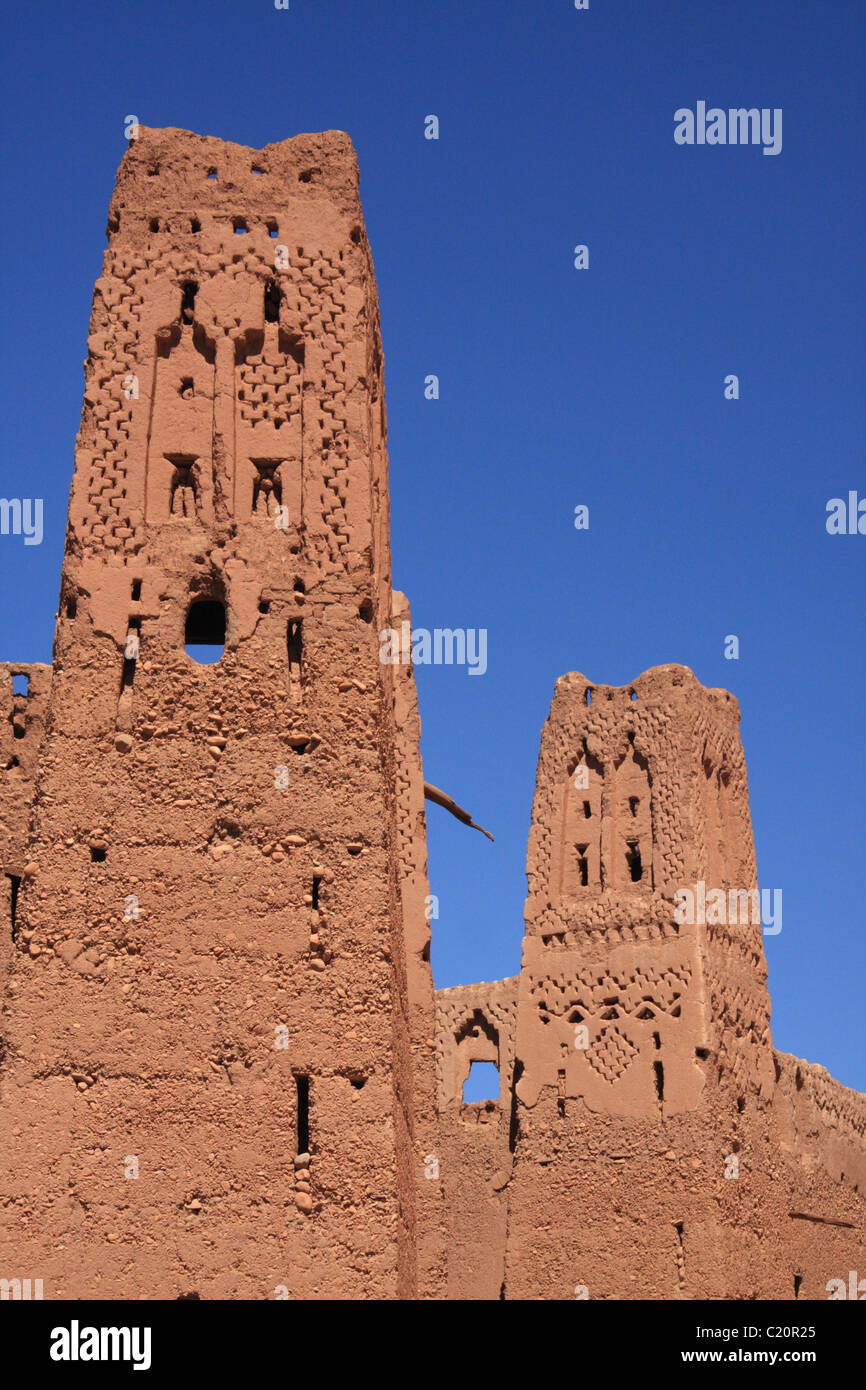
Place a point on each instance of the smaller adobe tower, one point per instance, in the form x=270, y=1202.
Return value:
x=647, y=1140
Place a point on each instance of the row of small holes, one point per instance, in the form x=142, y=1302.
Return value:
x=238, y=223
x=305, y=176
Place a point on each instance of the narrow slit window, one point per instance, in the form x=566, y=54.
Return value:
x=634, y=862
x=302, y=1086
x=295, y=650
x=14, y=886
x=273, y=297
x=583, y=865
x=187, y=303
x=659, y=1071
x=317, y=885
x=130, y=655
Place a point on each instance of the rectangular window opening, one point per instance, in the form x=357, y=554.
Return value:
x=482, y=1083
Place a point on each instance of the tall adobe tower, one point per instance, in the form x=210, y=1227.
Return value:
x=219, y=1022
x=647, y=1140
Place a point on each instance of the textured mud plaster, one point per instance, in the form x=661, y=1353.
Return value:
x=648, y=1141
x=223, y=1068
x=220, y=974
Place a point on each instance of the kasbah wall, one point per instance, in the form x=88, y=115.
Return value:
x=225, y=1072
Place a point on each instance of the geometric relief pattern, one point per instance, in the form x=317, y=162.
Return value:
x=269, y=388
x=635, y=1000
x=314, y=287
x=643, y=993
x=741, y=1024
x=611, y=1053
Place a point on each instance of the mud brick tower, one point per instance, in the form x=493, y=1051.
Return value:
x=222, y=980
x=224, y=1072
x=648, y=1142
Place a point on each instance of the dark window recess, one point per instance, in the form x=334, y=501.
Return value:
x=659, y=1071
x=583, y=865
x=633, y=803
x=184, y=488
x=273, y=296
x=587, y=810
x=295, y=647
x=660, y=1080
x=798, y=1279
x=71, y=608
x=97, y=854
x=205, y=631
x=317, y=884
x=136, y=590
x=187, y=303
x=195, y=225
x=14, y=886
x=267, y=487
x=634, y=862
x=131, y=650
x=302, y=1085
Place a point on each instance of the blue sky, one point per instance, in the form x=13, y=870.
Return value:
x=558, y=387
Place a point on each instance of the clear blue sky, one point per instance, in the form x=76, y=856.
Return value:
x=558, y=387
